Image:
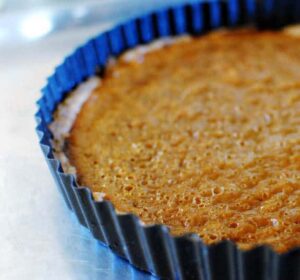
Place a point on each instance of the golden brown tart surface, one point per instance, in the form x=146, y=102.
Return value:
x=202, y=136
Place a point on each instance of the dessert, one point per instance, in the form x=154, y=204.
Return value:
x=202, y=136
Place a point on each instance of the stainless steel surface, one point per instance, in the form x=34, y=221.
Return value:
x=39, y=237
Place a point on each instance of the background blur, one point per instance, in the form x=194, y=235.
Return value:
x=39, y=237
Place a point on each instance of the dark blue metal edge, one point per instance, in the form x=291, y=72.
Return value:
x=153, y=248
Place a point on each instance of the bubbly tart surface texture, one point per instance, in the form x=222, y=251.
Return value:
x=202, y=136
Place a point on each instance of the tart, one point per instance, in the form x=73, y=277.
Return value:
x=200, y=134
x=181, y=154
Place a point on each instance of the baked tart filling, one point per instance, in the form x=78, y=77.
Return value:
x=202, y=135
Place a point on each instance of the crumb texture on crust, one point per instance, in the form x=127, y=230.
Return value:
x=202, y=136
x=64, y=118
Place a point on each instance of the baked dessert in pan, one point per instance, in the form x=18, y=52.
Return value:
x=200, y=134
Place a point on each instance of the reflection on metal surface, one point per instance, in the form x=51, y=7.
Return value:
x=96, y=261
x=80, y=12
x=36, y=25
x=27, y=26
